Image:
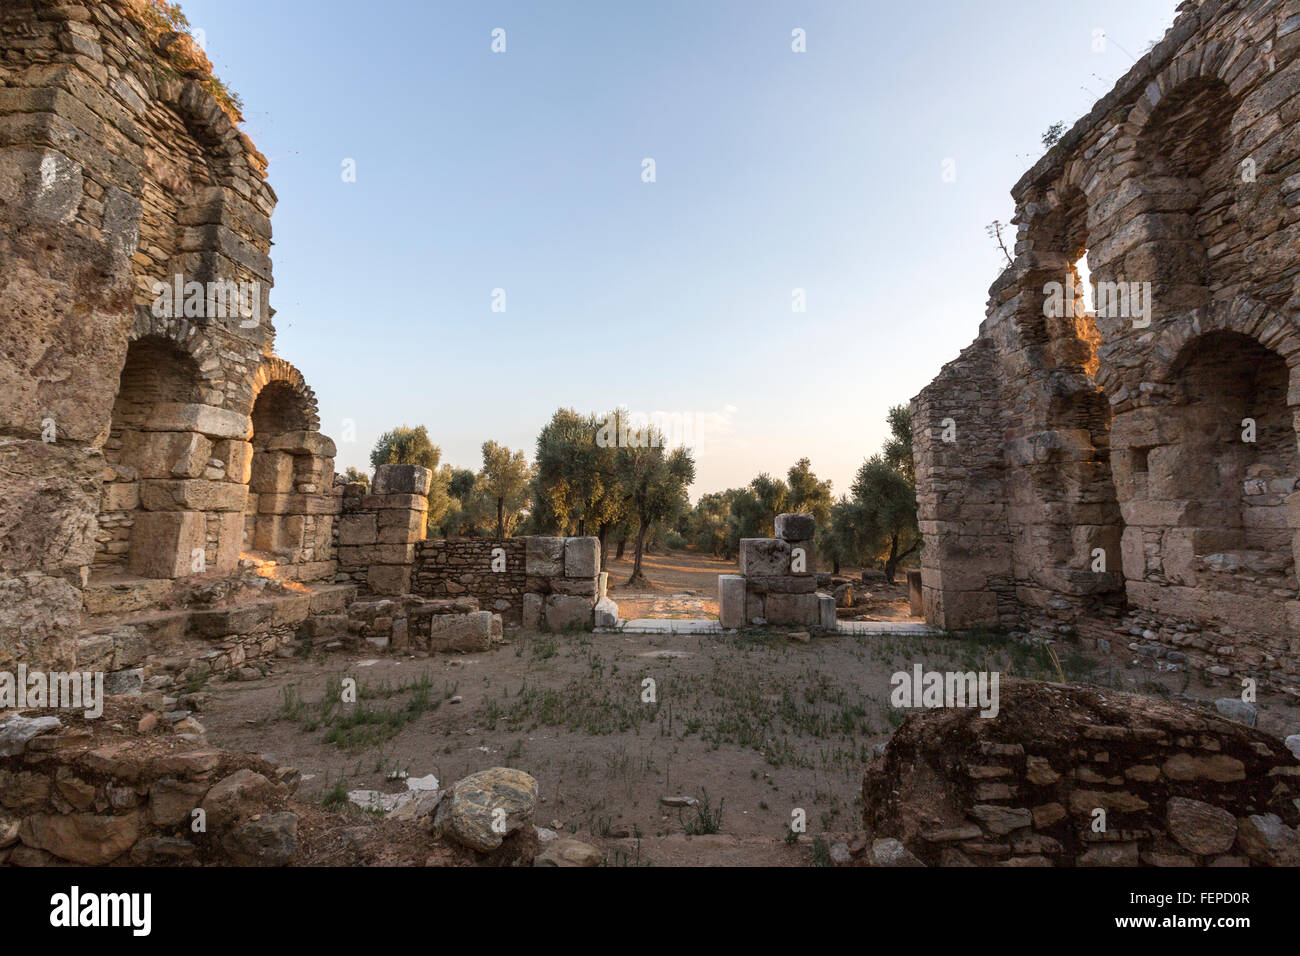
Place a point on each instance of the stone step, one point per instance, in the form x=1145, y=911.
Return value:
x=124, y=594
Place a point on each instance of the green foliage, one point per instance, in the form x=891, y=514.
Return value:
x=654, y=482
x=356, y=475
x=406, y=446
x=504, y=481
x=1053, y=135
x=806, y=493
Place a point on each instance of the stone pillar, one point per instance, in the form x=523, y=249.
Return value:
x=378, y=531
x=777, y=580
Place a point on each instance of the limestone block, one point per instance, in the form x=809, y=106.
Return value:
x=533, y=604
x=764, y=556
x=204, y=419
x=564, y=612
x=401, y=525
x=602, y=584
x=230, y=541
x=389, y=578
x=358, y=529
x=238, y=456
x=120, y=496
x=605, y=613
x=731, y=600
x=466, y=633
x=581, y=557
x=826, y=612
x=309, y=443
x=754, y=609
x=271, y=472
x=163, y=543
x=544, y=556
x=582, y=587
x=193, y=494
x=401, y=480
x=795, y=527
x=797, y=609
x=914, y=604
x=166, y=454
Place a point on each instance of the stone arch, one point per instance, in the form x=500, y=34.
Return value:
x=1210, y=537
x=290, y=504
x=1180, y=134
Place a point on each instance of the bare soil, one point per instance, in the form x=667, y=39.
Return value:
x=755, y=726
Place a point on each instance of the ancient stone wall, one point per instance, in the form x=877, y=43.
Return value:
x=1072, y=776
x=1073, y=463
x=132, y=415
x=532, y=580
x=380, y=528
x=777, y=583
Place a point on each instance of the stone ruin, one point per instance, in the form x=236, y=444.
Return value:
x=1131, y=470
x=777, y=583
x=1073, y=776
x=151, y=435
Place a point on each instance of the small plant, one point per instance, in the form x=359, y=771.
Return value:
x=707, y=819
x=821, y=853
x=336, y=797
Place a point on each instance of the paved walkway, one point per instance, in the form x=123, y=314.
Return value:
x=658, y=625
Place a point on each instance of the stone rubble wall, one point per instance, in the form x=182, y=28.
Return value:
x=543, y=581
x=1054, y=439
x=379, y=530
x=1178, y=787
x=127, y=437
x=769, y=589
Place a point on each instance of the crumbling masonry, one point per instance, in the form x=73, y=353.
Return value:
x=146, y=437
x=1076, y=466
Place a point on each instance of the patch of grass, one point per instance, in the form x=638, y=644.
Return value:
x=707, y=819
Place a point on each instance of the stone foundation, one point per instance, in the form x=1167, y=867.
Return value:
x=777, y=583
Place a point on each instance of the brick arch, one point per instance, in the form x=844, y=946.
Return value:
x=187, y=337
x=1243, y=314
x=1215, y=61
x=276, y=369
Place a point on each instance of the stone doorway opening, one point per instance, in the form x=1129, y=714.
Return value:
x=143, y=530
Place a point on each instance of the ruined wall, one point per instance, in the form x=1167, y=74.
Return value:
x=129, y=429
x=777, y=583
x=1025, y=787
x=1096, y=458
x=459, y=567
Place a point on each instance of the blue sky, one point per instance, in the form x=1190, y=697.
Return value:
x=522, y=171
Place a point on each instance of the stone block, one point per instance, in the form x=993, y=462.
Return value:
x=581, y=587
x=581, y=557
x=271, y=472
x=230, y=541
x=401, y=480
x=163, y=543
x=465, y=633
x=770, y=556
x=544, y=556
x=238, y=456
x=304, y=443
x=205, y=419
x=533, y=605
x=358, y=529
x=795, y=527
x=166, y=454
x=915, y=606
x=565, y=612
x=731, y=600
x=389, y=578
x=798, y=609
x=602, y=584
x=193, y=494
x=120, y=496
x=605, y=613
x=826, y=612
x=782, y=583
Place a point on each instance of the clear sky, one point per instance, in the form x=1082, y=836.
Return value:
x=523, y=171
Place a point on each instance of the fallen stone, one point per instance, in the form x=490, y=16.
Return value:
x=480, y=810
x=1199, y=827
x=16, y=730
x=565, y=851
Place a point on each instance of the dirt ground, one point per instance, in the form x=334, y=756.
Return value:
x=685, y=585
x=755, y=726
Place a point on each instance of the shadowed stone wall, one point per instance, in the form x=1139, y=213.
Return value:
x=1073, y=465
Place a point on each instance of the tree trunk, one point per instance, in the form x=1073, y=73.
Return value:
x=582, y=527
x=640, y=545
x=622, y=543
x=891, y=563
x=501, y=521
x=602, y=533
x=835, y=564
